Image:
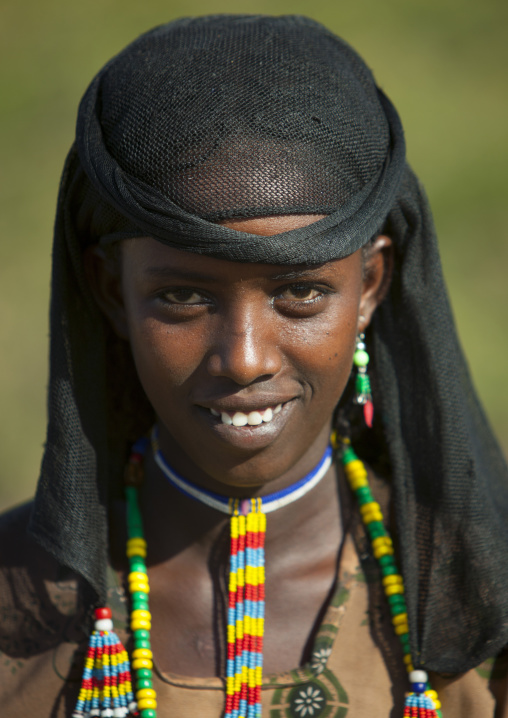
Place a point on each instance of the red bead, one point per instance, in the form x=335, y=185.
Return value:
x=368, y=413
x=102, y=613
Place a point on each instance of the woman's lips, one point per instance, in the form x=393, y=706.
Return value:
x=235, y=428
x=252, y=418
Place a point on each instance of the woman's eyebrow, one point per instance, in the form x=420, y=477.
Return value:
x=175, y=272
x=304, y=272
x=166, y=273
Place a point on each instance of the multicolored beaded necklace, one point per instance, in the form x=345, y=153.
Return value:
x=106, y=689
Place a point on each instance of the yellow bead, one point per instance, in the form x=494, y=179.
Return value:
x=371, y=506
x=410, y=668
x=136, y=541
x=136, y=547
x=136, y=586
x=394, y=578
x=141, y=625
x=358, y=483
x=393, y=589
x=431, y=694
x=401, y=629
x=136, y=551
x=372, y=516
x=353, y=466
x=383, y=551
x=146, y=703
x=138, y=663
x=142, y=653
x=437, y=704
x=407, y=658
x=400, y=618
x=137, y=577
x=142, y=615
x=381, y=541
x=145, y=693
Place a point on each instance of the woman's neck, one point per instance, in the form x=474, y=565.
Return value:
x=174, y=522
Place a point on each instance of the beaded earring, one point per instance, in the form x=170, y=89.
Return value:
x=363, y=395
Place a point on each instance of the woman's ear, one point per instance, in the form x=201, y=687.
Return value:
x=103, y=270
x=377, y=275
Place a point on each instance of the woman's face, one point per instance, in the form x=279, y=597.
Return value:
x=243, y=363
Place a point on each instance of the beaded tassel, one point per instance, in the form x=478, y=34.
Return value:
x=106, y=689
x=141, y=620
x=421, y=702
x=245, y=629
x=362, y=385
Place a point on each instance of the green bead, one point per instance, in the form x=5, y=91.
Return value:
x=142, y=643
x=404, y=639
x=396, y=598
x=348, y=455
x=147, y=713
x=364, y=495
x=135, y=531
x=361, y=358
x=363, y=384
x=144, y=673
x=376, y=529
x=389, y=570
x=397, y=610
x=138, y=565
x=387, y=561
x=139, y=596
x=144, y=683
x=141, y=635
x=140, y=606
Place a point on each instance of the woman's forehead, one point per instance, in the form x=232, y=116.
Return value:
x=153, y=260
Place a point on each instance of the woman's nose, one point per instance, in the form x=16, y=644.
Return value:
x=246, y=347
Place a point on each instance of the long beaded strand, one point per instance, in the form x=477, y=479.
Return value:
x=245, y=630
x=141, y=619
x=422, y=701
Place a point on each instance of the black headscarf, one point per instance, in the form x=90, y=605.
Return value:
x=240, y=116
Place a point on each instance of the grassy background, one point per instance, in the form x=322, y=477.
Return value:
x=443, y=63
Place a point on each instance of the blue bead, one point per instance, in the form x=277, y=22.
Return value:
x=419, y=687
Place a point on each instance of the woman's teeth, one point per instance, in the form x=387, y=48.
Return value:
x=253, y=418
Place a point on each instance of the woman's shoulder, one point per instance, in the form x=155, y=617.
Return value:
x=40, y=619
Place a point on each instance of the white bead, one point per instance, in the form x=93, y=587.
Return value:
x=95, y=713
x=120, y=712
x=133, y=707
x=418, y=677
x=104, y=624
x=107, y=713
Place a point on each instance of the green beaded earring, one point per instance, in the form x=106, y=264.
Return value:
x=363, y=392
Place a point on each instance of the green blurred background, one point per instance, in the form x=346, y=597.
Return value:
x=442, y=62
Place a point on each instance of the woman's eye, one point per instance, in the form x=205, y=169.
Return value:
x=184, y=296
x=300, y=293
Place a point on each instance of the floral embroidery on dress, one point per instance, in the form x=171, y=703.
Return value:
x=310, y=701
x=319, y=659
x=315, y=698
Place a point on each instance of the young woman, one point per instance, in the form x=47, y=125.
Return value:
x=239, y=246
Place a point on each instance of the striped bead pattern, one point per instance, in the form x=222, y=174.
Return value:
x=421, y=702
x=246, y=610
x=106, y=688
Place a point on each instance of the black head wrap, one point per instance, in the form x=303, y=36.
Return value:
x=240, y=116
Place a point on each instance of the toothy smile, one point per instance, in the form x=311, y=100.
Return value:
x=253, y=418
